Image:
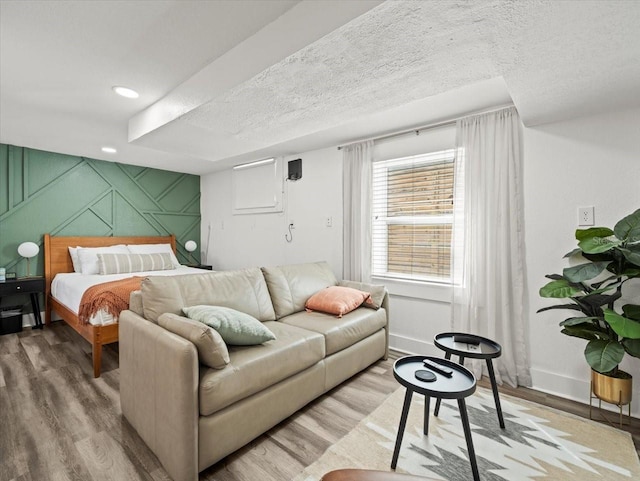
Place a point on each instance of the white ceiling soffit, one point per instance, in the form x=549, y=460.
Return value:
x=224, y=80
x=559, y=60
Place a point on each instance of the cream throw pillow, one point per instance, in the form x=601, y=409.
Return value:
x=212, y=351
x=123, y=263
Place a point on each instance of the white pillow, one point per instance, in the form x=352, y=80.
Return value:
x=154, y=249
x=88, y=256
x=73, y=252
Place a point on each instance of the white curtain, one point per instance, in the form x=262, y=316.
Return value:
x=488, y=262
x=356, y=190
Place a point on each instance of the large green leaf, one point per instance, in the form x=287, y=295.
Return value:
x=632, y=311
x=632, y=346
x=554, y=277
x=574, y=252
x=593, y=232
x=574, y=307
x=632, y=256
x=622, y=326
x=631, y=272
x=597, y=245
x=583, y=272
x=628, y=228
x=597, y=285
x=576, y=321
x=596, y=299
x=582, y=332
x=559, y=289
x=606, y=256
x=603, y=355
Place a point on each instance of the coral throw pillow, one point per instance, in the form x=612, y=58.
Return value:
x=336, y=300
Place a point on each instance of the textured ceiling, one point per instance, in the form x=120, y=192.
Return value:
x=230, y=81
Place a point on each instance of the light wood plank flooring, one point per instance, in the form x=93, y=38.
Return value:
x=57, y=422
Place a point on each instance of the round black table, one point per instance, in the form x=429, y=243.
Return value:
x=480, y=348
x=461, y=384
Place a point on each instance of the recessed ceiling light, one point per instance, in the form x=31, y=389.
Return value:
x=109, y=150
x=126, y=92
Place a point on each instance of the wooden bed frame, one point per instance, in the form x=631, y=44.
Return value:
x=57, y=259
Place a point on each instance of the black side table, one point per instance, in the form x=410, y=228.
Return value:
x=461, y=384
x=201, y=266
x=484, y=349
x=25, y=285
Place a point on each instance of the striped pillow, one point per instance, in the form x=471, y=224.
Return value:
x=122, y=263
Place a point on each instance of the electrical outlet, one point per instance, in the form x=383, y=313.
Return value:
x=292, y=224
x=328, y=221
x=585, y=216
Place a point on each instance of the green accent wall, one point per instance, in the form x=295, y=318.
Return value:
x=45, y=192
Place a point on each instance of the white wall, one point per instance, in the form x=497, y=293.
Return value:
x=591, y=161
x=588, y=161
x=259, y=239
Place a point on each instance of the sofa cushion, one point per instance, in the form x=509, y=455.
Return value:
x=336, y=300
x=340, y=333
x=235, y=327
x=254, y=368
x=244, y=290
x=212, y=351
x=377, y=292
x=290, y=286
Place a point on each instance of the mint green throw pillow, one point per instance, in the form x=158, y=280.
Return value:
x=235, y=327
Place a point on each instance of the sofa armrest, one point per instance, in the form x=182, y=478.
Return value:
x=159, y=377
x=363, y=286
x=135, y=303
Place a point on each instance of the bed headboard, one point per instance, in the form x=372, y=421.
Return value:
x=57, y=258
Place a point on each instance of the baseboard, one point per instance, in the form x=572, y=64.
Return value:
x=409, y=345
x=577, y=390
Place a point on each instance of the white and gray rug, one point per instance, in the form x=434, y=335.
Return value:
x=538, y=443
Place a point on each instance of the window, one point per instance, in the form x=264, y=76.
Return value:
x=412, y=217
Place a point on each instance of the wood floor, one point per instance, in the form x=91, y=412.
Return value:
x=58, y=423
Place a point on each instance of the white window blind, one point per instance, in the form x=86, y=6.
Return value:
x=412, y=217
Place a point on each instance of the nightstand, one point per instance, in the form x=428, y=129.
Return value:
x=25, y=285
x=201, y=266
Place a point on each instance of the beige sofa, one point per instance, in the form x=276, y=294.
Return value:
x=190, y=415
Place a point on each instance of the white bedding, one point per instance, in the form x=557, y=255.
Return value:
x=68, y=288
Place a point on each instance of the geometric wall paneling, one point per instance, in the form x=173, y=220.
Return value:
x=156, y=182
x=68, y=195
x=176, y=198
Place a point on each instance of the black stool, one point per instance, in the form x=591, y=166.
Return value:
x=475, y=347
x=460, y=384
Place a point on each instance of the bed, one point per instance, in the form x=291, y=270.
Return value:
x=63, y=293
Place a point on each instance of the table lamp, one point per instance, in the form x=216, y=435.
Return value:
x=28, y=250
x=191, y=246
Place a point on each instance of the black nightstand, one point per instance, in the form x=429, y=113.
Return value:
x=201, y=266
x=25, y=285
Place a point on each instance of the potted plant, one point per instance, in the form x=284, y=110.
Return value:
x=592, y=289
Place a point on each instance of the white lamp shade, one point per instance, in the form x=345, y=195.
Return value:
x=190, y=246
x=28, y=249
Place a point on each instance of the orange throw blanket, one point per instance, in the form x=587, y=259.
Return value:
x=112, y=296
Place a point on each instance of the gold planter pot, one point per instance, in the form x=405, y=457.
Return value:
x=612, y=390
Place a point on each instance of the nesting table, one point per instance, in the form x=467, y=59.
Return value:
x=478, y=348
x=461, y=384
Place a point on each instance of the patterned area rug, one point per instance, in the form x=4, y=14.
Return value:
x=538, y=443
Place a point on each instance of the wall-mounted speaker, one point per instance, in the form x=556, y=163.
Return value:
x=294, y=171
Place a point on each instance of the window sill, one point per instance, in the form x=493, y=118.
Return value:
x=429, y=291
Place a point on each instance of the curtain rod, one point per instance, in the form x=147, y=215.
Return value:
x=417, y=130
